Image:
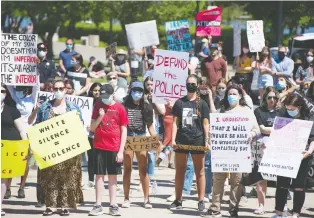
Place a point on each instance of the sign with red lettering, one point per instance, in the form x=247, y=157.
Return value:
x=170, y=74
x=208, y=22
x=19, y=59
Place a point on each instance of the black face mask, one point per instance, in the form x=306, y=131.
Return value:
x=281, y=55
x=191, y=87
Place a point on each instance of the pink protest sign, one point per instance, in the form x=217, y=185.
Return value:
x=208, y=22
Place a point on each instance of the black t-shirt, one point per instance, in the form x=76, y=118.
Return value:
x=139, y=116
x=97, y=67
x=190, y=128
x=46, y=69
x=8, y=129
x=266, y=117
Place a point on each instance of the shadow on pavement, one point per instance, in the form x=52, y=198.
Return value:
x=22, y=211
x=22, y=203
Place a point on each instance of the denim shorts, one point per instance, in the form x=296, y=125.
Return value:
x=265, y=81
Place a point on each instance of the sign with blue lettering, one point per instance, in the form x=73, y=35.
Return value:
x=178, y=36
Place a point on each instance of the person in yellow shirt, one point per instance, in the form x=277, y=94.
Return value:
x=243, y=69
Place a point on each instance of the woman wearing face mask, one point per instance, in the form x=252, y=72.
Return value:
x=284, y=88
x=215, y=102
x=79, y=74
x=233, y=103
x=140, y=115
x=266, y=70
x=12, y=128
x=120, y=65
x=119, y=92
x=296, y=109
x=158, y=110
x=265, y=115
x=305, y=73
x=61, y=183
x=25, y=98
x=243, y=68
x=190, y=127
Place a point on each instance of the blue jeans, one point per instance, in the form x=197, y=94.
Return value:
x=208, y=173
x=151, y=162
x=189, y=173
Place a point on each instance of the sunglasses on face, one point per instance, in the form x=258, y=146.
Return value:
x=112, y=78
x=3, y=91
x=61, y=89
x=272, y=97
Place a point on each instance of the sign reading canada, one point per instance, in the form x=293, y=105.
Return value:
x=18, y=59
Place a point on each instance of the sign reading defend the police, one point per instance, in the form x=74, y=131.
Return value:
x=19, y=59
x=58, y=139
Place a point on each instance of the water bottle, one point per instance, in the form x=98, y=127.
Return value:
x=154, y=188
x=285, y=211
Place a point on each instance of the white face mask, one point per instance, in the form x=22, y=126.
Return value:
x=59, y=95
x=2, y=97
x=245, y=50
x=120, y=57
x=309, y=59
x=41, y=54
x=19, y=94
x=113, y=83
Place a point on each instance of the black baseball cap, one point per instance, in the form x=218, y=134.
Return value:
x=91, y=59
x=42, y=46
x=106, y=90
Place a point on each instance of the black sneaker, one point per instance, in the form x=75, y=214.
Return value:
x=176, y=205
x=234, y=214
x=21, y=193
x=7, y=194
x=201, y=206
x=211, y=214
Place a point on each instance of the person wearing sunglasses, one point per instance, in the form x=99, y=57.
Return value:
x=119, y=92
x=60, y=183
x=296, y=108
x=65, y=56
x=265, y=116
x=12, y=128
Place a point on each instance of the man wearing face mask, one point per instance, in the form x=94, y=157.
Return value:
x=214, y=67
x=46, y=68
x=119, y=93
x=285, y=66
x=65, y=56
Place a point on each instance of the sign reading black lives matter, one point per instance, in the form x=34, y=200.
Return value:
x=111, y=50
x=230, y=149
x=19, y=59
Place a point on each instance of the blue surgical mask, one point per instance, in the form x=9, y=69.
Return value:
x=69, y=47
x=136, y=95
x=293, y=113
x=73, y=62
x=59, y=95
x=19, y=94
x=233, y=99
x=280, y=85
x=107, y=101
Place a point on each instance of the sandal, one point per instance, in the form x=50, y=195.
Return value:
x=48, y=212
x=64, y=212
x=259, y=211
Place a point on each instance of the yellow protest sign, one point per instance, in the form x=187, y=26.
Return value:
x=13, y=154
x=141, y=143
x=58, y=139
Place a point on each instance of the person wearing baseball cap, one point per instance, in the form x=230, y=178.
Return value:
x=140, y=115
x=46, y=68
x=109, y=123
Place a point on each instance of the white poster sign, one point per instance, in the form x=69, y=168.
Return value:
x=255, y=35
x=230, y=148
x=287, y=141
x=142, y=34
x=236, y=40
x=170, y=74
x=19, y=59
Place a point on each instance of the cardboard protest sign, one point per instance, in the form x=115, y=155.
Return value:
x=236, y=39
x=287, y=141
x=142, y=34
x=170, y=74
x=255, y=35
x=230, y=149
x=19, y=59
x=111, y=50
x=58, y=139
x=208, y=22
x=141, y=143
x=178, y=36
x=85, y=103
x=13, y=154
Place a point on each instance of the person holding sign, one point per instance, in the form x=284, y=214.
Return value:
x=119, y=92
x=60, y=183
x=296, y=109
x=265, y=116
x=233, y=102
x=120, y=65
x=109, y=122
x=140, y=115
x=11, y=129
x=190, y=127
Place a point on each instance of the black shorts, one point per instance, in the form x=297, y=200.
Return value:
x=106, y=164
x=197, y=142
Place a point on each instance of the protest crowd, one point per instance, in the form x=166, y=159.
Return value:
x=155, y=105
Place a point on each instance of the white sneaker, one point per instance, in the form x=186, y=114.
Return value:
x=126, y=204
x=206, y=200
x=227, y=182
x=171, y=198
x=89, y=186
x=210, y=196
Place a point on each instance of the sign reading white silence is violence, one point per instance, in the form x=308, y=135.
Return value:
x=19, y=59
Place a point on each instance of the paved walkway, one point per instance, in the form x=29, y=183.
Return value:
x=25, y=208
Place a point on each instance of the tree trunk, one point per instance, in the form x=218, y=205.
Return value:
x=302, y=29
x=110, y=31
x=49, y=43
